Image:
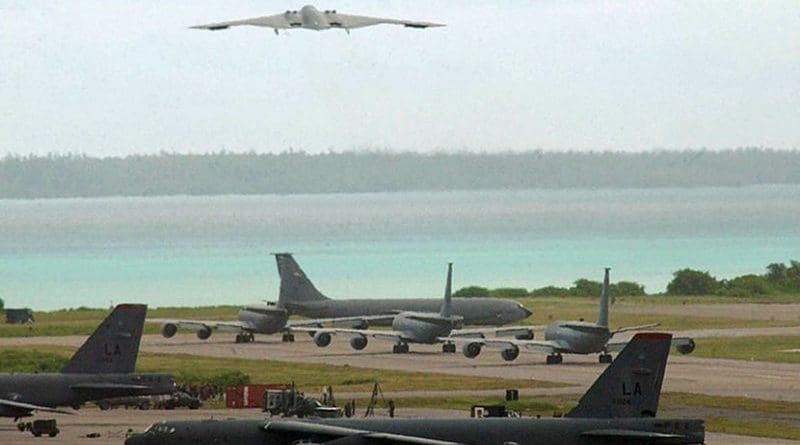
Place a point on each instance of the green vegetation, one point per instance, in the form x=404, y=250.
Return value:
x=196, y=369
x=25, y=360
x=725, y=402
x=75, y=175
x=527, y=406
x=692, y=282
x=780, y=280
x=757, y=348
x=758, y=428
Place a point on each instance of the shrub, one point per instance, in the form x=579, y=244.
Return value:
x=586, y=288
x=551, y=291
x=509, y=292
x=692, y=282
x=627, y=288
x=746, y=285
x=472, y=292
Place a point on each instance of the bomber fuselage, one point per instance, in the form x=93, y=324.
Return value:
x=71, y=389
x=486, y=431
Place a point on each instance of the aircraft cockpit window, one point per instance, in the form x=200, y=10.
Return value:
x=160, y=428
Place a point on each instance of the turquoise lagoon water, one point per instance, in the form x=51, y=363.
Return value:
x=216, y=250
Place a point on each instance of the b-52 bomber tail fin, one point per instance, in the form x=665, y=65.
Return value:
x=631, y=385
x=114, y=346
x=295, y=285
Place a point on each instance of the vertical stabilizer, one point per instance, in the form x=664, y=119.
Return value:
x=631, y=385
x=295, y=286
x=114, y=345
x=602, y=316
x=447, y=309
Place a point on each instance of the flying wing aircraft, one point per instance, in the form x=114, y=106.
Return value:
x=571, y=337
x=419, y=327
x=620, y=407
x=309, y=17
x=101, y=368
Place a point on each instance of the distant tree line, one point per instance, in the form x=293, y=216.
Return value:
x=78, y=175
x=779, y=279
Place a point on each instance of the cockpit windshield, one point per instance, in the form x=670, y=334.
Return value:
x=159, y=428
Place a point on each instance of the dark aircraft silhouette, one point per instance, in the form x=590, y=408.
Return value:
x=300, y=297
x=102, y=368
x=620, y=407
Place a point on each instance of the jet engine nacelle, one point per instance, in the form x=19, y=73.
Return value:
x=203, y=333
x=686, y=348
x=358, y=343
x=510, y=354
x=322, y=339
x=471, y=350
x=169, y=330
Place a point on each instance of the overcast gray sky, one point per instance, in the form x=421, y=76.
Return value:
x=116, y=77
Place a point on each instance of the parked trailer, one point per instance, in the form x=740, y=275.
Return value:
x=249, y=396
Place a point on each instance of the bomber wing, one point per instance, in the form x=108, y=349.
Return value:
x=347, y=21
x=337, y=432
x=285, y=20
x=31, y=407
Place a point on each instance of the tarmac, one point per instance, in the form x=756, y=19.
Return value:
x=685, y=373
x=112, y=426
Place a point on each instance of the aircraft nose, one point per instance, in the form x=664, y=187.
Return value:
x=526, y=311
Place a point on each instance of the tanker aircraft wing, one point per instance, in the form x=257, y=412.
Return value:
x=322, y=336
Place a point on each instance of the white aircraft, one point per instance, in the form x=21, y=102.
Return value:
x=309, y=17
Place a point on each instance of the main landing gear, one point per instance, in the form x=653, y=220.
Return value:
x=554, y=359
x=245, y=337
x=400, y=348
x=287, y=338
x=449, y=348
x=605, y=358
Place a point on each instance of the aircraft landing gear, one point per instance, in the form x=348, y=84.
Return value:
x=605, y=358
x=287, y=338
x=554, y=359
x=400, y=348
x=245, y=337
x=449, y=348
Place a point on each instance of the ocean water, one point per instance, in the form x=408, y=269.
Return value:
x=216, y=250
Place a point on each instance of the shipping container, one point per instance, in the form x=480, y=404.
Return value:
x=248, y=396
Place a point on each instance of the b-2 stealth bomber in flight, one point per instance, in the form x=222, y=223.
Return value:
x=620, y=407
x=300, y=297
x=420, y=327
x=309, y=17
x=572, y=337
x=102, y=368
